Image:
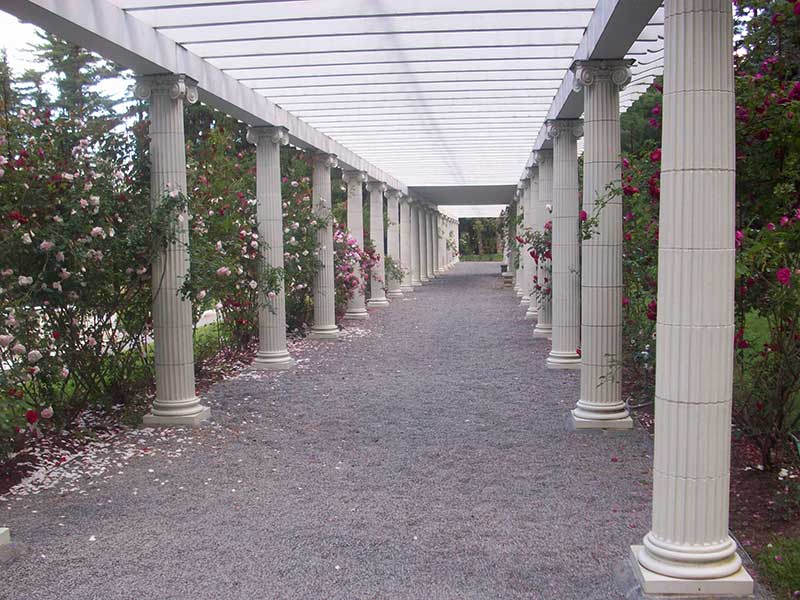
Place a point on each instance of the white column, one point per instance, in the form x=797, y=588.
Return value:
x=566, y=247
x=431, y=249
x=689, y=538
x=544, y=279
x=378, y=278
x=393, y=241
x=406, y=238
x=324, y=327
x=357, y=304
x=437, y=268
x=525, y=260
x=176, y=402
x=416, y=279
x=512, y=240
x=600, y=404
x=422, y=236
x=533, y=222
x=272, y=353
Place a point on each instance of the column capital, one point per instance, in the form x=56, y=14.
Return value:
x=390, y=193
x=328, y=160
x=589, y=72
x=558, y=127
x=276, y=135
x=174, y=84
x=375, y=185
x=542, y=155
x=352, y=176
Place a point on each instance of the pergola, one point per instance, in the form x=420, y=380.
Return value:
x=475, y=102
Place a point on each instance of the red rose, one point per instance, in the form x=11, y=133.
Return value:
x=32, y=416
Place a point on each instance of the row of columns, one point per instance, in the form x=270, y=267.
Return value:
x=688, y=549
x=416, y=240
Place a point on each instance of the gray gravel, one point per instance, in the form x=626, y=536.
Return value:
x=425, y=456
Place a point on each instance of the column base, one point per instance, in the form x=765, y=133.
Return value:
x=526, y=301
x=531, y=313
x=157, y=419
x=542, y=331
x=406, y=289
x=324, y=333
x=737, y=585
x=394, y=294
x=272, y=361
x=415, y=283
x=357, y=314
x=5, y=536
x=424, y=280
x=563, y=361
x=581, y=423
x=377, y=302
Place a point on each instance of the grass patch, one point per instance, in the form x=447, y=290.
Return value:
x=482, y=258
x=780, y=566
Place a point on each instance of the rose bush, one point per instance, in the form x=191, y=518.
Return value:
x=77, y=240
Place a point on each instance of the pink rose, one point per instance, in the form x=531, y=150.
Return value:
x=784, y=276
x=223, y=272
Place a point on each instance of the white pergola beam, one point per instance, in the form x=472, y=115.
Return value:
x=386, y=24
x=187, y=13
x=100, y=26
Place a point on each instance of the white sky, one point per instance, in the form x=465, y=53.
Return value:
x=16, y=38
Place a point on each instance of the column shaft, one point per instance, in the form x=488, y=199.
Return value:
x=513, y=245
x=393, y=241
x=422, y=235
x=324, y=327
x=378, y=278
x=600, y=403
x=431, y=250
x=357, y=304
x=176, y=402
x=272, y=352
x=544, y=276
x=406, y=245
x=416, y=251
x=566, y=248
x=696, y=269
x=525, y=260
x=534, y=224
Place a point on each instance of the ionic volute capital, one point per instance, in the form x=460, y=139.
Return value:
x=177, y=86
x=394, y=195
x=374, y=186
x=589, y=72
x=559, y=127
x=354, y=177
x=329, y=161
x=277, y=135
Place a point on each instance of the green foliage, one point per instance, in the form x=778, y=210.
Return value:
x=77, y=244
x=779, y=563
x=482, y=257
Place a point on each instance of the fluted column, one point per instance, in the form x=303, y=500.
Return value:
x=544, y=276
x=393, y=241
x=324, y=327
x=431, y=244
x=422, y=236
x=512, y=243
x=689, y=538
x=357, y=304
x=176, y=402
x=532, y=222
x=377, y=280
x=566, y=247
x=525, y=260
x=406, y=245
x=415, y=249
x=272, y=352
x=600, y=404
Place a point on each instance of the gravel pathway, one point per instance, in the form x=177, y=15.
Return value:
x=424, y=456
